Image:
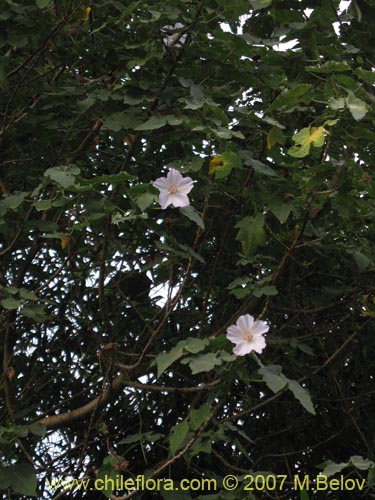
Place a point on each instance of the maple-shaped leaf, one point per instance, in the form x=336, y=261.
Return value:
x=275, y=136
x=305, y=138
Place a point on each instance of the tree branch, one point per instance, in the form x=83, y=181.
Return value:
x=63, y=419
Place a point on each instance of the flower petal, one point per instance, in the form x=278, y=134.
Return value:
x=245, y=322
x=242, y=349
x=258, y=344
x=161, y=183
x=185, y=186
x=174, y=177
x=165, y=199
x=235, y=334
x=259, y=327
x=179, y=200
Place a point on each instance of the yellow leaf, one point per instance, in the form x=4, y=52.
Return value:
x=215, y=163
x=129, y=139
x=82, y=14
x=222, y=165
x=368, y=314
x=317, y=136
x=305, y=138
x=65, y=241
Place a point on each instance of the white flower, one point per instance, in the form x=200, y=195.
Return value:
x=247, y=334
x=174, y=189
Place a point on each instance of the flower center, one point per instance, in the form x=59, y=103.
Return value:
x=248, y=336
x=173, y=189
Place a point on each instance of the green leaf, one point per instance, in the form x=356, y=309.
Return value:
x=193, y=215
x=21, y=430
x=336, y=104
x=197, y=99
x=42, y=4
x=227, y=133
x=251, y=233
x=262, y=168
x=273, y=377
x=226, y=357
x=144, y=200
x=165, y=359
x=43, y=205
x=272, y=121
x=108, y=475
x=177, y=436
x=196, y=164
x=260, y=4
x=144, y=195
x=86, y=104
x=198, y=416
x=12, y=202
x=27, y=294
x=153, y=123
x=243, y=280
x=189, y=251
x=357, y=107
x=348, y=82
x=275, y=136
x=331, y=468
x=362, y=261
x=280, y=209
x=329, y=67
x=203, y=362
x=35, y=312
x=303, y=495
x=241, y=293
x=240, y=432
x=150, y=437
x=276, y=381
x=231, y=159
x=20, y=477
x=288, y=99
x=121, y=121
x=172, y=251
x=195, y=345
x=265, y=290
x=361, y=463
x=218, y=343
x=63, y=176
x=37, y=429
x=367, y=76
x=305, y=348
x=5, y=478
x=10, y=303
x=200, y=446
x=371, y=476
x=117, y=217
x=302, y=395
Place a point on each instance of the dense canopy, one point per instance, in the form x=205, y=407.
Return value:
x=117, y=290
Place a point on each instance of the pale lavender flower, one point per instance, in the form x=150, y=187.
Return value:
x=174, y=189
x=247, y=334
